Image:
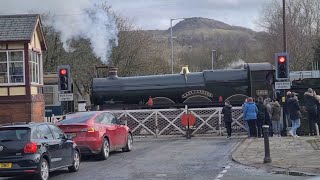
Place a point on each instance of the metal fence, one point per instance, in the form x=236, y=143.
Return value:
x=167, y=122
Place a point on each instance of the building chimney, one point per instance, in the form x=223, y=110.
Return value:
x=113, y=73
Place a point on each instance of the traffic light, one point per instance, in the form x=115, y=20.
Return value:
x=282, y=66
x=64, y=78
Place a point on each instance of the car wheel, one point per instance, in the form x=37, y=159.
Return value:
x=43, y=170
x=105, y=150
x=76, y=162
x=129, y=144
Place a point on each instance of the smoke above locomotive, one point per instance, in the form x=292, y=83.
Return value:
x=196, y=89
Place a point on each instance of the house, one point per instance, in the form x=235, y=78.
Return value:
x=22, y=45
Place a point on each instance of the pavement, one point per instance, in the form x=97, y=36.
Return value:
x=294, y=156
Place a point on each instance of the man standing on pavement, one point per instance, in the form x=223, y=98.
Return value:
x=261, y=115
x=294, y=114
x=227, y=117
x=311, y=107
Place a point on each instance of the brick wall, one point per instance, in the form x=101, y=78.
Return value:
x=23, y=112
x=15, y=112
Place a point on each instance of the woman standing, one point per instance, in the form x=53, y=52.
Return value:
x=295, y=114
x=275, y=117
x=250, y=115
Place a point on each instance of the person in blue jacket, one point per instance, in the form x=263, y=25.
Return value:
x=250, y=116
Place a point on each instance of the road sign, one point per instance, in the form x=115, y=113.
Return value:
x=191, y=117
x=283, y=85
x=66, y=97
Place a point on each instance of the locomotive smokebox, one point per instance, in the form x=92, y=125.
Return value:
x=113, y=73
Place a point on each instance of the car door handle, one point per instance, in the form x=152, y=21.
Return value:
x=46, y=145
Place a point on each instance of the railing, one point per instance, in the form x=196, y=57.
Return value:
x=167, y=122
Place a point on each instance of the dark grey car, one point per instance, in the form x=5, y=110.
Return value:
x=36, y=149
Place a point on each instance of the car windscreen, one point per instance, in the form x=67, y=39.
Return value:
x=77, y=118
x=14, y=134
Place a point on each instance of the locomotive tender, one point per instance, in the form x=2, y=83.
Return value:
x=198, y=89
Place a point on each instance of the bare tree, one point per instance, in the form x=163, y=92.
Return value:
x=302, y=25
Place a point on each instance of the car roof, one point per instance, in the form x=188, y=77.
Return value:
x=22, y=124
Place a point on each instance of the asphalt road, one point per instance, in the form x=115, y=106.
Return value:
x=174, y=158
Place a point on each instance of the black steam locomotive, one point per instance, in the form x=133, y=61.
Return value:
x=199, y=89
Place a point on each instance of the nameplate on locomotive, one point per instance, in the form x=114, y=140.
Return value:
x=197, y=92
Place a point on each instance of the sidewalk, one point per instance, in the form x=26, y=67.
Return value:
x=287, y=154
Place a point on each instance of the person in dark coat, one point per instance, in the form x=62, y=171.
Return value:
x=261, y=115
x=294, y=114
x=311, y=107
x=250, y=115
x=227, y=117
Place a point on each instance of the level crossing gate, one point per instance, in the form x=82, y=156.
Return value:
x=167, y=122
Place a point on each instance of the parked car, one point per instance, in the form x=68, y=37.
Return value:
x=97, y=132
x=36, y=149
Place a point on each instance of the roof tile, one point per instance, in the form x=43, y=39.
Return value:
x=17, y=27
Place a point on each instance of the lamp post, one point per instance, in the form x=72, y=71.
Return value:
x=213, y=55
x=172, y=41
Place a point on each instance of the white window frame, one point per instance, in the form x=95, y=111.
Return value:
x=38, y=66
x=8, y=69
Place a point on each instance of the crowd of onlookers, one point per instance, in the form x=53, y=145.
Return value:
x=268, y=112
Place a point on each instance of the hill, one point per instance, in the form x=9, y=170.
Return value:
x=201, y=35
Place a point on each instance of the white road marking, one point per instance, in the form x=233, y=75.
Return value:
x=224, y=171
x=220, y=176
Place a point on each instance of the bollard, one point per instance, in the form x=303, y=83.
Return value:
x=267, y=158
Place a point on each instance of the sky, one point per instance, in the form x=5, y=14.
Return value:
x=151, y=14
x=156, y=14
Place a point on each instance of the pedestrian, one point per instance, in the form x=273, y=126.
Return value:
x=260, y=116
x=318, y=110
x=250, y=115
x=311, y=107
x=227, y=117
x=275, y=117
x=268, y=114
x=294, y=113
x=245, y=122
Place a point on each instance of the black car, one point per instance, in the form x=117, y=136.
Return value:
x=36, y=149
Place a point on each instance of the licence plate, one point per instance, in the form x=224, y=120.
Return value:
x=72, y=134
x=5, y=165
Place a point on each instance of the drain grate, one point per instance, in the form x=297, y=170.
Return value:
x=315, y=143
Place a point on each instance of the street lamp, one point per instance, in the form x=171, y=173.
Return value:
x=213, y=55
x=172, y=41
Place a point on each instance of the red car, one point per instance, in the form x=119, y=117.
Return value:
x=97, y=132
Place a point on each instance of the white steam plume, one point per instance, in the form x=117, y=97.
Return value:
x=73, y=19
x=236, y=64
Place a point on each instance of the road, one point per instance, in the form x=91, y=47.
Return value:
x=171, y=158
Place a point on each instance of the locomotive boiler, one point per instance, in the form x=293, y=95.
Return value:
x=196, y=89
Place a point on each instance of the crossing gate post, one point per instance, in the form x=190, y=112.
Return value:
x=220, y=123
x=156, y=122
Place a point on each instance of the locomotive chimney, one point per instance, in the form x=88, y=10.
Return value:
x=113, y=73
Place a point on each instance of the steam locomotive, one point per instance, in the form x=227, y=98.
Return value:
x=196, y=89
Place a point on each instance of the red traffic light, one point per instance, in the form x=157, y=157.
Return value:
x=63, y=72
x=282, y=59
